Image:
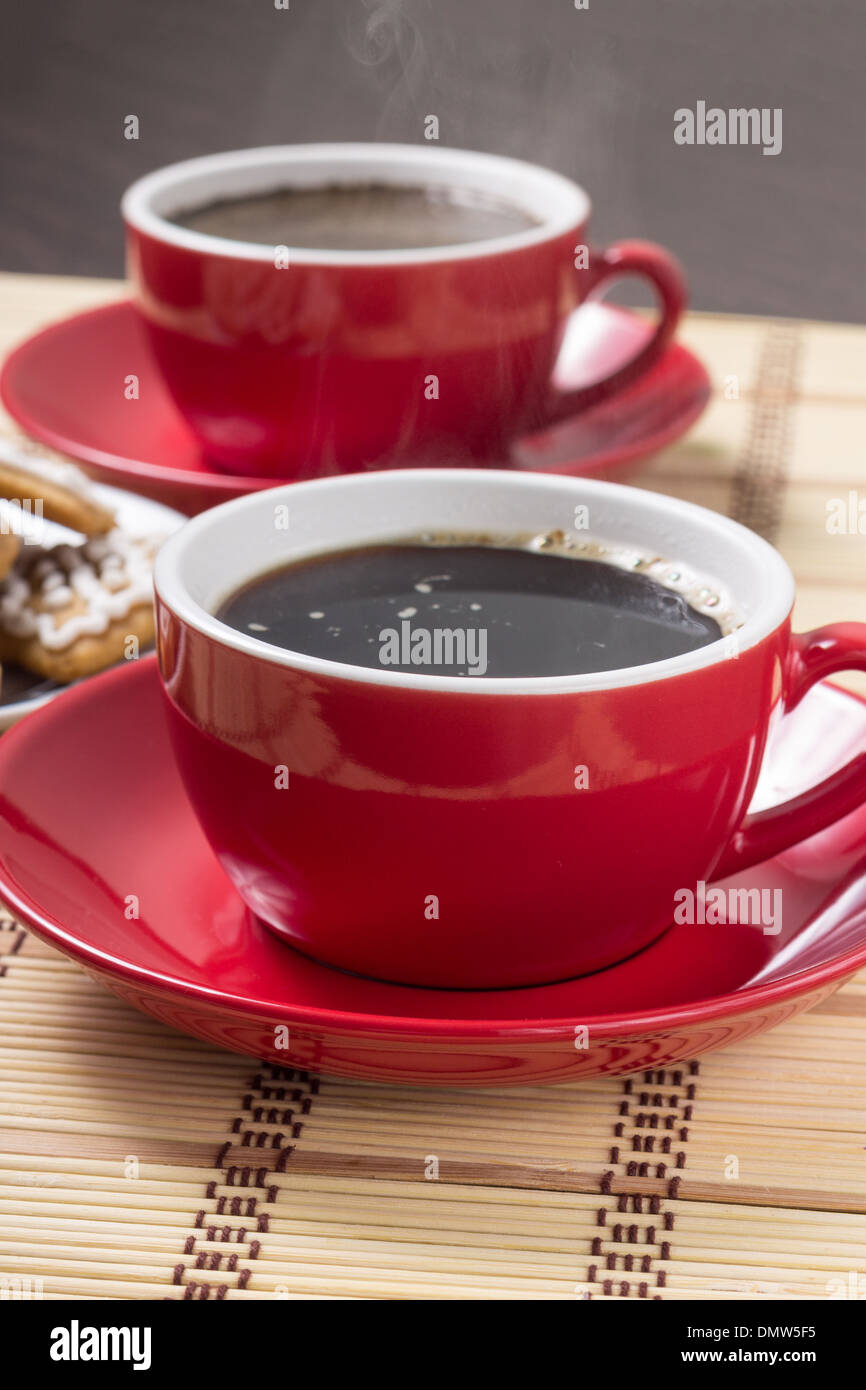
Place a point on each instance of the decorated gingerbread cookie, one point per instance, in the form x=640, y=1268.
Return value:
x=56, y=490
x=70, y=611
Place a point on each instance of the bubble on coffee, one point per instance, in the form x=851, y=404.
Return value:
x=701, y=593
x=550, y=603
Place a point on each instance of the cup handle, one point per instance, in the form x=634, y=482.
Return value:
x=665, y=275
x=811, y=656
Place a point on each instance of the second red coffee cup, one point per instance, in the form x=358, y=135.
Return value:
x=330, y=361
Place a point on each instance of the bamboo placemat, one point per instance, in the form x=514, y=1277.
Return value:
x=138, y=1163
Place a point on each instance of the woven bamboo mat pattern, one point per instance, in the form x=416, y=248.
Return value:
x=137, y=1163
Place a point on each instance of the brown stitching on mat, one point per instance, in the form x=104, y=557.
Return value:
x=235, y=1211
x=661, y=1091
x=8, y=923
x=758, y=490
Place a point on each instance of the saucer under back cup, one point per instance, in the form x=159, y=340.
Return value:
x=57, y=385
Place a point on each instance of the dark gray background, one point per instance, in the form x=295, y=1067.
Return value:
x=590, y=92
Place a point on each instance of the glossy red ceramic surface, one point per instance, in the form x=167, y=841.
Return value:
x=470, y=796
x=61, y=387
x=329, y=368
x=467, y=796
x=195, y=958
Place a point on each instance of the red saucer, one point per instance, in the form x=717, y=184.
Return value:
x=76, y=839
x=64, y=387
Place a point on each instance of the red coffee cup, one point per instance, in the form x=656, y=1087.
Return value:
x=344, y=360
x=433, y=831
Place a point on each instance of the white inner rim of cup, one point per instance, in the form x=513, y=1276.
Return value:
x=220, y=550
x=147, y=204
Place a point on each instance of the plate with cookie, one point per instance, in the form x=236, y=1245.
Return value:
x=76, y=592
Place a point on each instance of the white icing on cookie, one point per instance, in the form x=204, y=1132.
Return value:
x=56, y=471
x=111, y=574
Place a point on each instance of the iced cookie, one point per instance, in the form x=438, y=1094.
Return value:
x=72, y=610
x=58, y=491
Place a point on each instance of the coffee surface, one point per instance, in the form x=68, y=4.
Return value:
x=469, y=609
x=360, y=217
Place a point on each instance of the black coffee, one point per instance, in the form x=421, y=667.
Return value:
x=360, y=217
x=469, y=609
